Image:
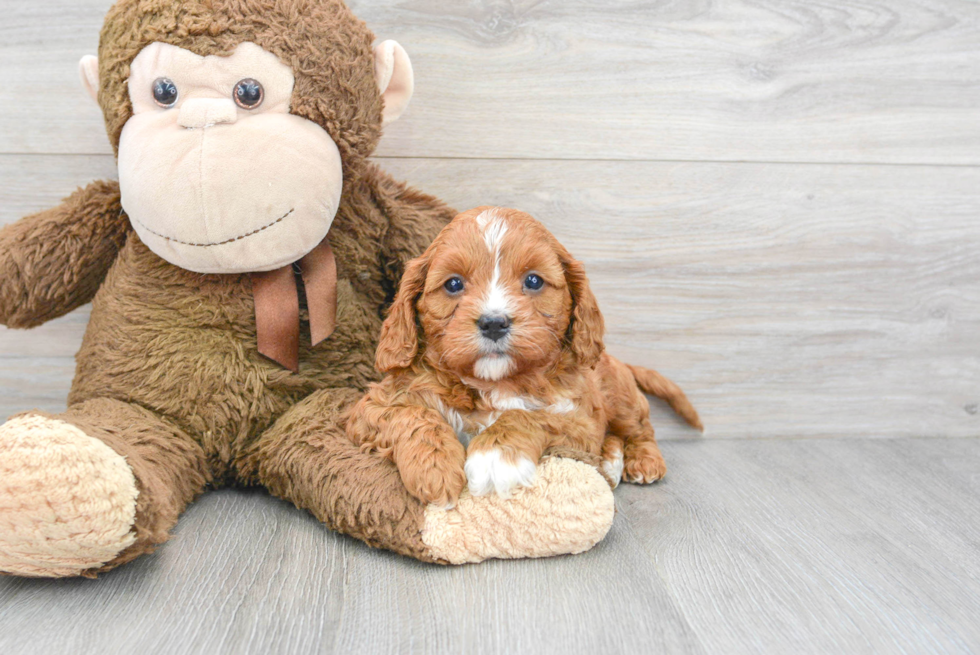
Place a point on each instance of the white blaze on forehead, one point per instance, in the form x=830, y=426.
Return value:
x=494, y=228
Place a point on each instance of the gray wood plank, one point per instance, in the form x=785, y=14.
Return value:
x=46, y=108
x=857, y=546
x=243, y=573
x=246, y=573
x=608, y=600
x=739, y=80
x=800, y=545
x=807, y=300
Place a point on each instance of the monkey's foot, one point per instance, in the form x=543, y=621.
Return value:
x=569, y=509
x=67, y=500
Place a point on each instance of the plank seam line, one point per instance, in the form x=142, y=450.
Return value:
x=760, y=162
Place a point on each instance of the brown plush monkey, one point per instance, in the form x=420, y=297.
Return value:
x=242, y=130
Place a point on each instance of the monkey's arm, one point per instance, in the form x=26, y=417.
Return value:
x=54, y=261
x=414, y=220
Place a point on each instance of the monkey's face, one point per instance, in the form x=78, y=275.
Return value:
x=216, y=175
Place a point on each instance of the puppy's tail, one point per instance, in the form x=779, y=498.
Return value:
x=653, y=383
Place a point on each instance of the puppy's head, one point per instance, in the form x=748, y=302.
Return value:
x=493, y=297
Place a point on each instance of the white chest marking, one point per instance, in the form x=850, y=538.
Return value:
x=563, y=406
x=502, y=403
x=467, y=425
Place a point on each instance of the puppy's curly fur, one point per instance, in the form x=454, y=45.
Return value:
x=494, y=353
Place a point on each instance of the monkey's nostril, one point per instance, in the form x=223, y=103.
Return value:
x=494, y=327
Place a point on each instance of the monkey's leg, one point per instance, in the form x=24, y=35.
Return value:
x=85, y=491
x=307, y=458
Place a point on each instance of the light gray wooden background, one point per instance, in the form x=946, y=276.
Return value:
x=779, y=206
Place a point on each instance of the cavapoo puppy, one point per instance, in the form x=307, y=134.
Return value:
x=494, y=354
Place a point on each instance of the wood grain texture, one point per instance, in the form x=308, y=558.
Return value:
x=723, y=80
x=246, y=573
x=801, y=299
x=803, y=546
x=807, y=300
x=818, y=546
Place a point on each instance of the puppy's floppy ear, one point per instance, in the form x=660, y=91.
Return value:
x=399, y=343
x=587, y=327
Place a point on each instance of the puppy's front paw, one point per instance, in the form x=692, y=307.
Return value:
x=439, y=486
x=612, y=467
x=432, y=466
x=489, y=470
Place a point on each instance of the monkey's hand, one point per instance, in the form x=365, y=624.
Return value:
x=54, y=261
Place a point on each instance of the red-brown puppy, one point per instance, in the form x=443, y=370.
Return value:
x=494, y=352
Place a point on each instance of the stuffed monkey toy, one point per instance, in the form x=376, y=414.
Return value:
x=239, y=272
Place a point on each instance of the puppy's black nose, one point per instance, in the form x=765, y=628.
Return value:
x=494, y=328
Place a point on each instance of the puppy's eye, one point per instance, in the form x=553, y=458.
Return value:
x=533, y=282
x=454, y=285
x=249, y=94
x=165, y=92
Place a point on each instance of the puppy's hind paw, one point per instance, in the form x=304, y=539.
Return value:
x=644, y=468
x=489, y=471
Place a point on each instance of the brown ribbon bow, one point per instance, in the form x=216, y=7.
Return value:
x=277, y=305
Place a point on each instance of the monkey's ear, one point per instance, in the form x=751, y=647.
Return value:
x=396, y=80
x=88, y=69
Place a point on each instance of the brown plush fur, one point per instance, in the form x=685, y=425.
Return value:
x=328, y=48
x=168, y=374
x=54, y=261
x=561, y=389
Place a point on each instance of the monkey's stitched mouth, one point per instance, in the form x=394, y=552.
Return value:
x=219, y=243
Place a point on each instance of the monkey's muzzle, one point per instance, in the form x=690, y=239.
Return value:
x=213, y=195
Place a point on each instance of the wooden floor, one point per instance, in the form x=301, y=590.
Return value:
x=778, y=202
x=780, y=546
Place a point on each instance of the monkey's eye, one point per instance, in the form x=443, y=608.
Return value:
x=533, y=282
x=249, y=94
x=165, y=92
x=454, y=285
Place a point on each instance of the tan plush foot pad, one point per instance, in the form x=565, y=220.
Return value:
x=67, y=501
x=569, y=509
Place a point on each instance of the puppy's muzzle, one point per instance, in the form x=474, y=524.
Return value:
x=494, y=328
